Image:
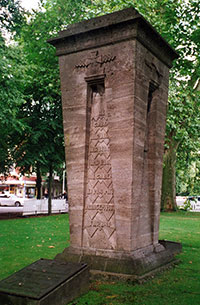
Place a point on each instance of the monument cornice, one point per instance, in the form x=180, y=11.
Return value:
x=116, y=27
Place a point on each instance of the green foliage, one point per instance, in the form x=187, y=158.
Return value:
x=178, y=22
x=38, y=126
x=184, y=100
x=42, y=143
x=188, y=172
x=11, y=97
x=63, y=13
x=11, y=80
x=11, y=15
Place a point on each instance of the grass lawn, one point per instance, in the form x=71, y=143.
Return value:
x=23, y=241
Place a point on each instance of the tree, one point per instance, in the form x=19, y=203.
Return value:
x=177, y=21
x=11, y=80
x=181, y=140
x=184, y=103
x=11, y=16
x=188, y=172
x=41, y=146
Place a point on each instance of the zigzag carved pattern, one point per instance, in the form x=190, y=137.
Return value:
x=99, y=214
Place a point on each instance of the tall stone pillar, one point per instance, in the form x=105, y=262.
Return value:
x=114, y=73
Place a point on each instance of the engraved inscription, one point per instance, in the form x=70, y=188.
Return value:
x=38, y=279
x=95, y=59
x=99, y=214
x=101, y=208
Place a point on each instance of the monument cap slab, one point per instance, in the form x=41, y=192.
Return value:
x=118, y=26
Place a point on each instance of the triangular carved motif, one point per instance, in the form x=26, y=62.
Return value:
x=93, y=144
x=109, y=231
x=99, y=216
x=91, y=199
x=108, y=198
x=101, y=133
x=108, y=214
x=108, y=184
x=91, y=231
x=107, y=168
x=92, y=214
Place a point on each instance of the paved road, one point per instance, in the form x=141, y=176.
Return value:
x=4, y=210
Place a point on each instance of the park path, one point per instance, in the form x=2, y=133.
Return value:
x=10, y=212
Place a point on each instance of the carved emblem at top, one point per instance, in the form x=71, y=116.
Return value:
x=95, y=59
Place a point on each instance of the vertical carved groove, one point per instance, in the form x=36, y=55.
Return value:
x=99, y=229
x=151, y=152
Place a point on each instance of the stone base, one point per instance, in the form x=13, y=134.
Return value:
x=139, y=279
x=45, y=282
x=133, y=266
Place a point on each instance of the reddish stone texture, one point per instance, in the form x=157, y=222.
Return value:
x=114, y=79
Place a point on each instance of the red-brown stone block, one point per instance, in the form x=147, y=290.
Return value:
x=114, y=79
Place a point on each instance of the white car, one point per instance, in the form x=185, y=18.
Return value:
x=11, y=200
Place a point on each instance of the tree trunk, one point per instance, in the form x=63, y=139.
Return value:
x=38, y=182
x=50, y=189
x=168, y=198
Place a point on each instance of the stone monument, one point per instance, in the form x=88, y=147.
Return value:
x=114, y=73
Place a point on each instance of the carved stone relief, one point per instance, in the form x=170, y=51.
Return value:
x=95, y=59
x=99, y=213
